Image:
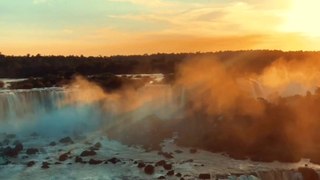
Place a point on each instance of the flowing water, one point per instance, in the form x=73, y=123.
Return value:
x=43, y=111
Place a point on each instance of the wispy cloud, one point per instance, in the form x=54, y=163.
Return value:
x=210, y=19
x=143, y=26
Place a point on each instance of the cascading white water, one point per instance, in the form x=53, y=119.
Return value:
x=40, y=110
x=45, y=110
x=28, y=104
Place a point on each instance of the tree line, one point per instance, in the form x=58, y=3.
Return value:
x=39, y=65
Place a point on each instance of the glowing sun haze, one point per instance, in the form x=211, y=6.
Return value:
x=108, y=27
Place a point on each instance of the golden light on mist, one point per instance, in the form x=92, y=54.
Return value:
x=302, y=17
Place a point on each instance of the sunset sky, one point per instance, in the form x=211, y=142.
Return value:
x=109, y=27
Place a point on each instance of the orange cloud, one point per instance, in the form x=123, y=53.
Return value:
x=122, y=43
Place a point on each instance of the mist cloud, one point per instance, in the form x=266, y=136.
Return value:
x=266, y=115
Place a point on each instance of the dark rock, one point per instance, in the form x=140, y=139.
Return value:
x=166, y=155
x=167, y=166
x=45, y=165
x=135, y=162
x=52, y=143
x=141, y=165
x=64, y=157
x=308, y=173
x=178, y=174
x=31, y=163
x=10, y=152
x=78, y=159
x=114, y=160
x=149, y=169
x=170, y=173
x=57, y=163
x=66, y=140
x=18, y=147
x=161, y=163
x=93, y=161
x=88, y=153
x=178, y=151
x=161, y=177
x=204, y=176
x=98, y=145
x=32, y=151
x=193, y=150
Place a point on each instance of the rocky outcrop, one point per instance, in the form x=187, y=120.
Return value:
x=78, y=159
x=166, y=154
x=170, y=173
x=114, y=160
x=88, y=153
x=95, y=162
x=12, y=152
x=149, y=169
x=64, y=157
x=45, y=165
x=204, y=176
x=141, y=165
x=31, y=163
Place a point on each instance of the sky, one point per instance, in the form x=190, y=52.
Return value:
x=112, y=27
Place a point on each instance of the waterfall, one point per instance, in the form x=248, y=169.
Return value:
x=257, y=89
x=43, y=110
x=28, y=104
x=40, y=110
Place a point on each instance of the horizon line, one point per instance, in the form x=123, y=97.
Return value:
x=150, y=54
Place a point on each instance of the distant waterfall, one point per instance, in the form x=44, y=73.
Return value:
x=21, y=104
x=44, y=109
x=257, y=89
x=40, y=110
